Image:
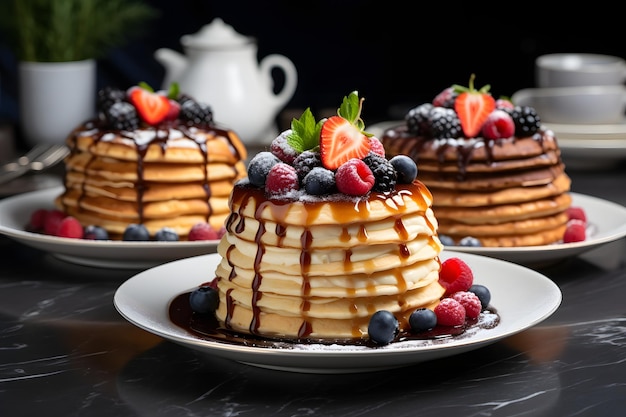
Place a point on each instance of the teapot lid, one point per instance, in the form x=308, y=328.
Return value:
x=215, y=34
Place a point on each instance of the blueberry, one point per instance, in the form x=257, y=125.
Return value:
x=406, y=168
x=483, y=294
x=93, y=232
x=136, y=232
x=259, y=166
x=383, y=327
x=319, y=181
x=204, y=300
x=446, y=240
x=166, y=234
x=422, y=319
x=470, y=241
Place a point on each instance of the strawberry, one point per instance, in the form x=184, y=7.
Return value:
x=473, y=107
x=342, y=137
x=152, y=107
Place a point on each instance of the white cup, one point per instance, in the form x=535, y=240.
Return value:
x=54, y=98
x=576, y=105
x=579, y=69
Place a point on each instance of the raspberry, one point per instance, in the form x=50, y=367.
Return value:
x=455, y=275
x=354, y=177
x=499, y=124
x=70, y=227
x=52, y=221
x=202, y=231
x=503, y=103
x=37, y=220
x=445, y=98
x=282, y=149
x=575, y=231
x=577, y=213
x=281, y=179
x=450, y=312
x=377, y=146
x=470, y=302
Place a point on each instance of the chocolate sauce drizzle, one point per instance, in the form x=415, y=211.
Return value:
x=162, y=136
x=344, y=211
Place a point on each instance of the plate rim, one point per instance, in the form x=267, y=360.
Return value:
x=267, y=356
x=100, y=251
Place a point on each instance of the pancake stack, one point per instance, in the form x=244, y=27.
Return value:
x=319, y=269
x=505, y=192
x=174, y=173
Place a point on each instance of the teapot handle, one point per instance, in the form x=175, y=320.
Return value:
x=291, y=76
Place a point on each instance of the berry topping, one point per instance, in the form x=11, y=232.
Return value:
x=152, y=107
x=418, y=119
x=406, y=168
x=499, y=124
x=446, y=98
x=576, y=231
x=122, y=116
x=354, y=177
x=422, y=319
x=383, y=327
x=260, y=166
x=576, y=213
x=470, y=302
x=196, y=112
x=470, y=241
x=305, y=162
x=319, y=181
x=70, y=227
x=52, y=221
x=38, y=219
x=504, y=103
x=136, y=232
x=444, y=123
x=450, y=312
x=376, y=146
x=202, y=231
x=455, y=275
x=527, y=122
x=166, y=234
x=473, y=107
x=342, y=137
x=282, y=149
x=93, y=232
x=483, y=294
x=384, y=173
x=281, y=179
x=204, y=299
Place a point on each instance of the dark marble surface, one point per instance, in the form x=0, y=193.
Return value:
x=65, y=351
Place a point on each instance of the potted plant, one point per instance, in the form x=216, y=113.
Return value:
x=56, y=44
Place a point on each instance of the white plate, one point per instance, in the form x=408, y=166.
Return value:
x=15, y=213
x=606, y=223
x=522, y=297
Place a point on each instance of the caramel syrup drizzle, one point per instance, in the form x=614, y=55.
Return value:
x=244, y=195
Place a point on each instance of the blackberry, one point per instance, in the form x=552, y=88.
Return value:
x=122, y=116
x=445, y=123
x=418, y=119
x=107, y=96
x=196, y=112
x=526, y=120
x=384, y=172
x=305, y=162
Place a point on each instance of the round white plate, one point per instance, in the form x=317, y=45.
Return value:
x=606, y=223
x=522, y=297
x=15, y=214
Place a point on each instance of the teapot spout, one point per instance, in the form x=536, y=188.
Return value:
x=174, y=63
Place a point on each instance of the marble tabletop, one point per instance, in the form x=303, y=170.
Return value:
x=65, y=351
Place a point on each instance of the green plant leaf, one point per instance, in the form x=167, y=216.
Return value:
x=305, y=132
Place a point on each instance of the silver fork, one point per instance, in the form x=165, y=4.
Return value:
x=39, y=158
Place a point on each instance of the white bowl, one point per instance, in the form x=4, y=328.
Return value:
x=578, y=69
x=575, y=105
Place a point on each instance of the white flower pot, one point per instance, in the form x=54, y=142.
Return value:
x=54, y=98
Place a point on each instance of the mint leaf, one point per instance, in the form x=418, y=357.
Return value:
x=305, y=132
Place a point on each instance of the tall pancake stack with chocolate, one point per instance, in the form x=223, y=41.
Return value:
x=150, y=159
x=495, y=172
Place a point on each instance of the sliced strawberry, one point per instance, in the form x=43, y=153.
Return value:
x=152, y=107
x=473, y=107
x=341, y=141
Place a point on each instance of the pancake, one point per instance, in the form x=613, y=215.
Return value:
x=173, y=173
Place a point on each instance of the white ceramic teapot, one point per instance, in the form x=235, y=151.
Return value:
x=220, y=67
